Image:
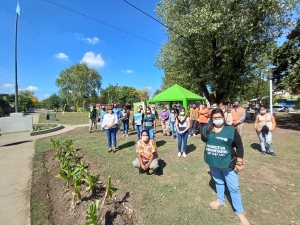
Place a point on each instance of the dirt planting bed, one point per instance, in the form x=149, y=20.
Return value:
x=52, y=201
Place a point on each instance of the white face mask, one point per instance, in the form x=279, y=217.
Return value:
x=223, y=110
x=145, y=138
x=263, y=111
x=148, y=111
x=219, y=122
x=182, y=113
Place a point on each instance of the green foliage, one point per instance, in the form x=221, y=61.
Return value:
x=92, y=217
x=286, y=58
x=214, y=46
x=78, y=82
x=55, y=143
x=4, y=104
x=37, y=127
x=77, y=182
x=90, y=180
x=109, y=189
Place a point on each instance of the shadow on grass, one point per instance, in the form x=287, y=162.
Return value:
x=190, y=148
x=288, y=121
x=126, y=145
x=162, y=164
x=160, y=143
x=212, y=185
x=15, y=143
x=255, y=146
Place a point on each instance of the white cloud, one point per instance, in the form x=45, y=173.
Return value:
x=32, y=88
x=127, y=71
x=93, y=60
x=91, y=41
x=61, y=56
x=8, y=85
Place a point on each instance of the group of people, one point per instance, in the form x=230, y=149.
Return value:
x=221, y=130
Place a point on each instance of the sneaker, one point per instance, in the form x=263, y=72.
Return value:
x=189, y=135
x=184, y=155
x=194, y=135
x=90, y=132
x=123, y=135
x=126, y=135
x=273, y=154
x=141, y=171
x=263, y=153
x=179, y=154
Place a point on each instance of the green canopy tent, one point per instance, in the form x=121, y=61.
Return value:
x=176, y=93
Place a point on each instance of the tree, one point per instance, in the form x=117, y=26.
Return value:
x=54, y=102
x=78, y=82
x=213, y=45
x=286, y=58
x=30, y=94
x=112, y=92
x=157, y=92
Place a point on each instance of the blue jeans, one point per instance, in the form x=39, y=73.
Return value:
x=111, y=134
x=173, y=129
x=182, y=137
x=266, y=140
x=138, y=131
x=228, y=175
x=151, y=133
x=125, y=125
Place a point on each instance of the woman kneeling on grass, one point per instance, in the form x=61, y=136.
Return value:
x=147, y=154
x=110, y=122
x=224, y=162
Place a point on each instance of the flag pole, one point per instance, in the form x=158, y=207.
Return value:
x=16, y=62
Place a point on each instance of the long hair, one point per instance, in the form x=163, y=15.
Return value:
x=210, y=125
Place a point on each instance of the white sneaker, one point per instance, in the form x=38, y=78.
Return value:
x=126, y=135
x=189, y=135
x=184, y=155
x=179, y=154
x=194, y=134
x=123, y=135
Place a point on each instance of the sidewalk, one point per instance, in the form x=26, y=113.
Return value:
x=16, y=154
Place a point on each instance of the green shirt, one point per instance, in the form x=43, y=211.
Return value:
x=149, y=122
x=217, y=151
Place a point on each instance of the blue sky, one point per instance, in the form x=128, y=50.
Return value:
x=51, y=38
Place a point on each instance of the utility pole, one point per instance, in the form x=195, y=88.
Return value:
x=16, y=61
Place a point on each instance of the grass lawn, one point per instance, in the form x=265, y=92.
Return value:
x=73, y=118
x=181, y=195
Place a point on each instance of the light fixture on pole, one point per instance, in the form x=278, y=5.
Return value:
x=270, y=77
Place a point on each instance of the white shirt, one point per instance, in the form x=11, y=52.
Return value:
x=185, y=124
x=109, y=119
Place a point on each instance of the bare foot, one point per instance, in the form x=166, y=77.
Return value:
x=215, y=204
x=243, y=219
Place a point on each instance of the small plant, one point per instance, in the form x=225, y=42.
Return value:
x=92, y=217
x=91, y=182
x=68, y=143
x=76, y=187
x=66, y=174
x=109, y=190
x=82, y=167
x=55, y=143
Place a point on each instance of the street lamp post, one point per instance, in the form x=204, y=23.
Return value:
x=271, y=89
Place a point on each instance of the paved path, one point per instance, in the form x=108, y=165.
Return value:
x=16, y=154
